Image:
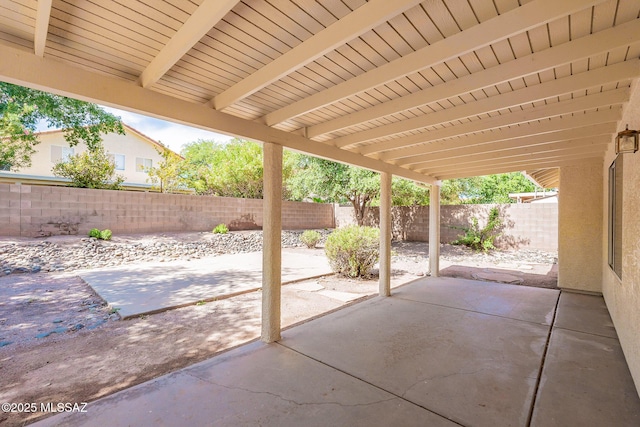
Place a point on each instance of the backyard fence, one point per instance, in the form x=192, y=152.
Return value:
x=530, y=225
x=36, y=211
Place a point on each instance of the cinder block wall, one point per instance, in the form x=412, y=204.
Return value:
x=33, y=211
x=526, y=225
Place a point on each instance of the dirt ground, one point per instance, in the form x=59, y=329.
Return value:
x=94, y=354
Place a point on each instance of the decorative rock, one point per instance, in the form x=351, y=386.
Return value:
x=5, y=343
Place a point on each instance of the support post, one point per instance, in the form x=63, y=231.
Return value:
x=385, y=235
x=272, y=246
x=434, y=230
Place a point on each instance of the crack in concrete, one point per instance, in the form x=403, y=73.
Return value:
x=439, y=377
x=294, y=402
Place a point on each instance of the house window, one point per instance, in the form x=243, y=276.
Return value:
x=143, y=164
x=118, y=160
x=61, y=154
x=615, y=216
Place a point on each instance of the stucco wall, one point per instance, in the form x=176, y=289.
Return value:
x=130, y=145
x=33, y=211
x=623, y=297
x=580, y=227
x=525, y=225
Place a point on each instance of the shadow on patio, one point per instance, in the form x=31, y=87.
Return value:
x=439, y=352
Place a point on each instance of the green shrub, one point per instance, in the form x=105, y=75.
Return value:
x=94, y=233
x=220, y=229
x=478, y=239
x=353, y=250
x=106, y=234
x=310, y=238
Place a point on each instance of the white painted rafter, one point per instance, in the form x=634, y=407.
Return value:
x=558, y=143
x=358, y=22
x=518, y=166
x=521, y=161
x=523, y=18
x=584, y=47
x=195, y=27
x=532, y=130
x=600, y=76
x=43, y=14
x=406, y=146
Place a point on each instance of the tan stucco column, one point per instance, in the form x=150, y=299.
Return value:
x=580, y=227
x=385, y=234
x=272, y=247
x=434, y=229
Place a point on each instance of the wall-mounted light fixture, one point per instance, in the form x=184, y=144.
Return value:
x=627, y=141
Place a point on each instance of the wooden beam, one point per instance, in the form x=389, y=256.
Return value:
x=43, y=14
x=424, y=152
x=457, y=158
x=517, y=166
x=527, y=137
x=23, y=68
x=601, y=99
x=584, y=47
x=358, y=22
x=566, y=85
x=206, y=16
x=516, y=21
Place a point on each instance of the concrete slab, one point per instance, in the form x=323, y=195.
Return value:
x=472, y=368
x=584, y=313
x=155, y=286
x=585, y=382
x=341, y=296
x=267, y=385
x=515, y=302
x=493, y=276
x=309, y=287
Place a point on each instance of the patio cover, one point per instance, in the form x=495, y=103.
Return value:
x=426, y=90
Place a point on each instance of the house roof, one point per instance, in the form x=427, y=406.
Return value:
x=427, y=90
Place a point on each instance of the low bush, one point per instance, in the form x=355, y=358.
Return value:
x=310, y=238
x=481, y=239
x=221, y=229
x=94, y=233
x=106, y=234
x=353, y=250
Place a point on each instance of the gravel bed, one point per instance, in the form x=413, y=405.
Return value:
x=47, y=256
x=76, y=253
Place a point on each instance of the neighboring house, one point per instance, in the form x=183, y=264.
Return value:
x=133, y=153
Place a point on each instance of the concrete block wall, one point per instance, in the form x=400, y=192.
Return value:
x=33, y=211
x=526, y=225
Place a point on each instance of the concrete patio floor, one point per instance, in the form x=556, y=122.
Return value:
x=439, y=352
x=150, y=287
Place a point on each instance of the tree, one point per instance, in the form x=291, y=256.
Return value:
x=169, y=172
x=408, y=193
x=233, y=169
x=495, y=188
x=334, y=182
x=21, y=109
x=90, y=169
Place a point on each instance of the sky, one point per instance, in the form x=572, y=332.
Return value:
x=170, y=134
x=173, y=135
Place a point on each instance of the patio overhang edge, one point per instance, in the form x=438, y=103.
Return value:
x=23, y=68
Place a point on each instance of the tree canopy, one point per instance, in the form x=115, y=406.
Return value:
x=21, y=109
x=233, y=169
x=90, y=169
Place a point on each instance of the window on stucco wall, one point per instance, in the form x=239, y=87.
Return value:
x=615, y=216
